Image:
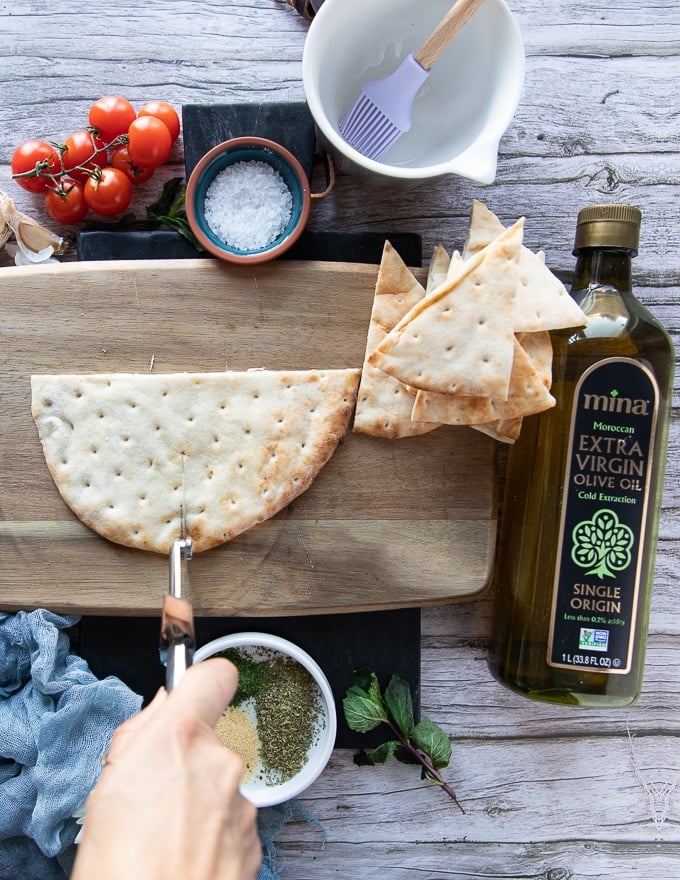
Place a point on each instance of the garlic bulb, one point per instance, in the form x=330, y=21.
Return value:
x=35, y=243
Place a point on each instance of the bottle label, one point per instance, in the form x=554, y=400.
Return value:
x=604, y=507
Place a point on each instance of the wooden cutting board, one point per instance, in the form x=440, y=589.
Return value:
x=386, y=524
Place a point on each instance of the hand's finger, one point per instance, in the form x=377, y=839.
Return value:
x=131, y=727
x=205, y=690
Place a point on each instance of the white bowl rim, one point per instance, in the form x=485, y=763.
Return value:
x=276, y=794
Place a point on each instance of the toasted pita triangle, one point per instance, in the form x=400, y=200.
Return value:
x=455, y=266
x=527, y=395
x=503, y=430
x=384, y=404
x=539, y=348
x=483, y=227
x=434, y=347
x=542, y=300
x=438, y=269
x=120, y=446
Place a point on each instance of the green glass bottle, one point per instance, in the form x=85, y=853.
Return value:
x=579, y=525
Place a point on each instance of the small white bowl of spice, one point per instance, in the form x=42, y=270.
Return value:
x=248, y=200
x=282, y=721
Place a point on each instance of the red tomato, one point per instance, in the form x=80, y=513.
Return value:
x=67, y=203
x=81, y=150
x=120, y=159
x=149, y=143
x=30, y=155
x=111, y=116
x=109, y=192
x=166, y=113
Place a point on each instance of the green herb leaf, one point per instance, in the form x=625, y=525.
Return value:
x=363, y=759
x=363, y=703
x=431, y=739
x=400, y=704
x=170, y=200
x=362, y=712
x=367, y=681
x=383, y=753
x=405, y=756
x=169, y=210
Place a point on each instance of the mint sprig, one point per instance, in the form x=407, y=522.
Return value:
x=365, y=706
x=169, y=210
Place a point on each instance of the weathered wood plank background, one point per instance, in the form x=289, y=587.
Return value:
x=549, y=792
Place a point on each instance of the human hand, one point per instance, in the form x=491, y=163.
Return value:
x=167, y=804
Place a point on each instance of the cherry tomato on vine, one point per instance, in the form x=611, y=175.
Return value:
x=120, y=159
x=149, y=142
x=166, y=113
x=66, y=204
x=81, y=149
x=27, y=156
x=109, y=192
x=111, y=116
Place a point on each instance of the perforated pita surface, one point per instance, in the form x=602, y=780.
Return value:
x=543, y=302
x=245, y=444
x=528, y=394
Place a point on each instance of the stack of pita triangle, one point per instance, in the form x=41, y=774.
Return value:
x=472, y=347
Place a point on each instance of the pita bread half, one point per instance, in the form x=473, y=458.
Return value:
x=384, y=403
x=121, y=446
x=459, y=338
x=543, y=302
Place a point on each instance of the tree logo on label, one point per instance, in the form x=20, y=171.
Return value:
x=602, y=544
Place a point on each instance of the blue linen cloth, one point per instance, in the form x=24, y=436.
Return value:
x=270, y=820
x=56, y=721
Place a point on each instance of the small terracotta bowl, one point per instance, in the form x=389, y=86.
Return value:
x=247, y=149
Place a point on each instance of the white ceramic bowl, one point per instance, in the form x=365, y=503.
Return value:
x=255, y=644
x=460, y=113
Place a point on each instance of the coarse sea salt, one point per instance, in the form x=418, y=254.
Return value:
x=248, y=205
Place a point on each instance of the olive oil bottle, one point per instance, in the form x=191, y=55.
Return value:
x=584, y=481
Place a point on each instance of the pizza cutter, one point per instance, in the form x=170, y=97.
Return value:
x=178, y=640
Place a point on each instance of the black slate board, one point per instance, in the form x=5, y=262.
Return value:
x=288, y=123
x=386, y=641
x=351, y=247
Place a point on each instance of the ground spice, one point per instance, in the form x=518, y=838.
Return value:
x=287, y=714
x=287, y=707
x=238, y=733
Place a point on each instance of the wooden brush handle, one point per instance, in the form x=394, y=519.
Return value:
x=445, y=31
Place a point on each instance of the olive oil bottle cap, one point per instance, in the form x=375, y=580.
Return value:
x=608, y=226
